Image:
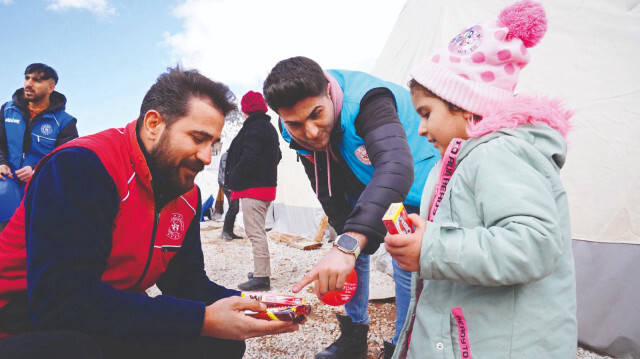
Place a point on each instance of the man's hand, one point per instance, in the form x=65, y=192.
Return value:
x=24, y=174
x=405, y=248
x=225, y=319
x=5, y=171
x=332, y=270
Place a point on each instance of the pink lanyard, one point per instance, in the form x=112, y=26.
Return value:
x=447, y=167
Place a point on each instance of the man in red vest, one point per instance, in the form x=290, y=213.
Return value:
x=107, y=216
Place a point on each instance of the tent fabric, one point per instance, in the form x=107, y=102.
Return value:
x=295, y=210
x=608, y=320
x=587, y=57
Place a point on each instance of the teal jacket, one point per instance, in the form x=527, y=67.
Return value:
x=355, y=85
x=499, y=246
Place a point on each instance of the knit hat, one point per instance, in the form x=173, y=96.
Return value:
x=480, y=66
x=253, y=102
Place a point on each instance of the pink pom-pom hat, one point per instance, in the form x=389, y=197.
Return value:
x=479, y=68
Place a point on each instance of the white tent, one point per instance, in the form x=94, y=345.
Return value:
x=588, y=57
x=296, y=209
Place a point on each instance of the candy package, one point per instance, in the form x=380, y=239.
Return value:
x=296, y=314
x=279, y=307
x=397, y=221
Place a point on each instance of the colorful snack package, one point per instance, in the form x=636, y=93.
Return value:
x=397, y=220
x=279, y=307
x=273, y=299
x=296, y=314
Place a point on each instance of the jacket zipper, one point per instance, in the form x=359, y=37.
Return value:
x=151, y=246
x=46, y=138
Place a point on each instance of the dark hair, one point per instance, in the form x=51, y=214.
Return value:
x=174, y=89
x=47, y=71
x=292, y=80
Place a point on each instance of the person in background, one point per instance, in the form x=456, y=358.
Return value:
x=107, y=216
x=356, y=136
x=32, y=124
x=493, y=242
x=252, y=172
x=234, y=205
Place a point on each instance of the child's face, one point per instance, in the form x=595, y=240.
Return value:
x=439, y=125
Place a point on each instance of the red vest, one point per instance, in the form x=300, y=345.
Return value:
x=141, y=245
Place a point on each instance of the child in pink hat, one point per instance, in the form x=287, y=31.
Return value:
x=492, y=246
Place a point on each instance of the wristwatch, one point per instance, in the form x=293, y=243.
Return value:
x=347, y=244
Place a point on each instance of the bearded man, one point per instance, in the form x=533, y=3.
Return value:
x=107, y=216
x=32, y=124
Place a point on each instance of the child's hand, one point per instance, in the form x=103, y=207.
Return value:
x=405, y=248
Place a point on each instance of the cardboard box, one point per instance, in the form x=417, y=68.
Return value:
x=397, y=220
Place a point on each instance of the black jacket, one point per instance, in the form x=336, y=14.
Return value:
x=353, y=205
x=254, y=155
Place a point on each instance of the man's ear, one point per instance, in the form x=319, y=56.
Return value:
x=152, y=125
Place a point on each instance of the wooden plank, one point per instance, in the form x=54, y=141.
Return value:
x=294, y=240
x=324, y=222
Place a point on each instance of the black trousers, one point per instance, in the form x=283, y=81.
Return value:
x=232, y=212
x=76, y=345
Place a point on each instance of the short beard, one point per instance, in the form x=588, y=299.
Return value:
x=170, y=172
x=35, y=99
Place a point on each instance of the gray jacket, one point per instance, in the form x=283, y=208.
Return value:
x=221, y=168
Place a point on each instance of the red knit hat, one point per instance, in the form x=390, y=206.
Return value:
x=253, y=102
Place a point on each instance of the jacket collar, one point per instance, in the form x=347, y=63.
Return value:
x=257, y=116
x=57, y=101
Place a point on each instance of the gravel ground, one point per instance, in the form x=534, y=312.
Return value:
x=227, y=263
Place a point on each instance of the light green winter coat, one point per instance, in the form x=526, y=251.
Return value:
x=499, y=247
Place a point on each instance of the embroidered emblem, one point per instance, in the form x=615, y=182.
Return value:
x=176, y=226
x=362, y=155
x=46, y=129
x=467, y=41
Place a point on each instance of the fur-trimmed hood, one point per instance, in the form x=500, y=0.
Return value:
x=540, y=121
x=521, y=110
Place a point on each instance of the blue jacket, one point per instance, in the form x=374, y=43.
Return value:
x=25, y=142
x=380, y=160
x=355, y=85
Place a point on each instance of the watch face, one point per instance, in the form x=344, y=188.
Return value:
x=347, y=242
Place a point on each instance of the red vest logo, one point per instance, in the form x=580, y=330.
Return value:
x=176, y=226
x=362, y=155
